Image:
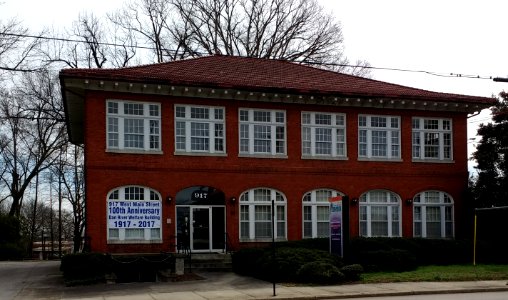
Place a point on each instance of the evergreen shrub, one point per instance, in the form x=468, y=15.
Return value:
x=85, y=268
x=320, y=272
x=352, y=272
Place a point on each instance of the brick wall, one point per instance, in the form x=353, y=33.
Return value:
x=168, y=173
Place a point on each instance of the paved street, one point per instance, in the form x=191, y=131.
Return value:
x=20, y=278
x=43, y=280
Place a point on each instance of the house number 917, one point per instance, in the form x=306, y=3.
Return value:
x=200, y=195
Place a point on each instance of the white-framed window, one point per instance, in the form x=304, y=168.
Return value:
x=433, y=215
x=323, y=134
x=380, y=214
x=262, y=132
x=316, y=213
x=378, y=137
x=134, y=215
x=432, y=139
x=199, y=129
x=256, y=215
x=133, y=125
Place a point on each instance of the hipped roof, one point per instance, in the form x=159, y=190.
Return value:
x=266, y=77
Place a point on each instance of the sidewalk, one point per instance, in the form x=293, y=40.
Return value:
x=231, y=286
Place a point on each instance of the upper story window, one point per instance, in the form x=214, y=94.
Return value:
x=432, y=139
x=380, y=214
x=262, y=132
x=379, y=137
x=133, y=125
x=323, y=135
x=199, y=129
x=256, y=215
x=134, y=215
x=433, y=215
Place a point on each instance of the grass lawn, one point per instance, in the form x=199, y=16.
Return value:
x=441, y=273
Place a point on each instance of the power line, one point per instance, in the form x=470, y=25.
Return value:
x=42, y=37
x=447, y=75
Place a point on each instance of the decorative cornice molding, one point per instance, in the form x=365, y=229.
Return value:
x=271, y=96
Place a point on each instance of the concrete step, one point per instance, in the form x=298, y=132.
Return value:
x=209, y=262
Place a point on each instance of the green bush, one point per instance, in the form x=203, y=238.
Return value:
x=82, y=268
x=11, y=251
x=315, y=244
x=319, y=272
x=423, y=251
x=259, y=262
x=352, y=272
x=11, y=244
x=289, y=260
x=246, y=261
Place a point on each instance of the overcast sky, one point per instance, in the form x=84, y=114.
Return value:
x=466, y=37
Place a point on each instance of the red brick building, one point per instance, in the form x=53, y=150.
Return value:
x=197, y=149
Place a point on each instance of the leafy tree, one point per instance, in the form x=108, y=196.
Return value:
x=491, y=185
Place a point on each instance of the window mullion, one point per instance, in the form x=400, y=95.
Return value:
x=251, y=138
x=369, y=219
x=314, y=220
x=390, y=219
x=422, y=144
x=313, y=140
x=442, y=220
x=188, y=136
x=252, y=220
x=146, y=133
x=424, y=220
x=273, y=212
x=334, y=138
x=273, y=138
x=211, y=136
x=441, y=145
x=369, y=143
x=121, y=132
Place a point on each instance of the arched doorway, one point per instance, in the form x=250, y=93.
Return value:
x=200, y=219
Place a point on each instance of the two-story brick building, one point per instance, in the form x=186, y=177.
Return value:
x=202, y=146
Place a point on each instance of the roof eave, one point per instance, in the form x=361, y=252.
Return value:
x=74, y=88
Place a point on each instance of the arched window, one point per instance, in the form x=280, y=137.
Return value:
x=433, y=215
x=380, y=214
x=256, y=215
x=316, y=213
x=134, y=214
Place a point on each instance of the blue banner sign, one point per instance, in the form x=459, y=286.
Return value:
x=134, y=214
x=336, y=243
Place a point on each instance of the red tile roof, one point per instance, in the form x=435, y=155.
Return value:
x=264, y=75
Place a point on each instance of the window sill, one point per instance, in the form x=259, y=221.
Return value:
x=433, y=161
x=133, y=241
x=263, y=156
x=132, y=151
x=310, y=157
x=200, y=154
x=380, y=159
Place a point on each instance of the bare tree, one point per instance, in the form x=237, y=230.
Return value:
x=16, y=47
x=93, y=44
x=294, y=30
x=146, y=20
x=32, y=132
x=73, y=186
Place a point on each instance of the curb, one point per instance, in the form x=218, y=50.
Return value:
x=392, y=294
